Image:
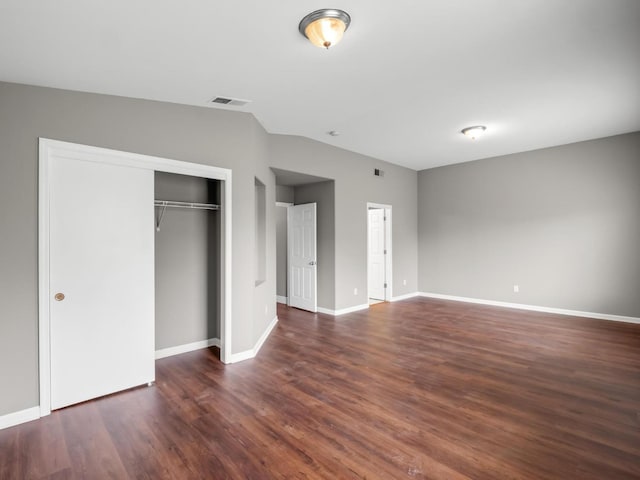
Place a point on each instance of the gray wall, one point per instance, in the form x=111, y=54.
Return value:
x=263, y=299
x=563, y=223
x=284, y=194
x=355, y=185
x=188, y=263
x=323, y=194
x=201, y=135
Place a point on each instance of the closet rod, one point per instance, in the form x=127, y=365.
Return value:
x=173, y=204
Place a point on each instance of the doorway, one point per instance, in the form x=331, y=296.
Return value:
x=379, y=253
x=53, y=153
x=295, y=188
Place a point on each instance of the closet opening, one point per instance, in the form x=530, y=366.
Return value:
x=107, y=260
x=188, y=263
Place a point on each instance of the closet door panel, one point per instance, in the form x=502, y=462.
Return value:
x=102, y=268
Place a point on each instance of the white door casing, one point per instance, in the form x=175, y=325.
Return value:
x=377, y=274
x=49, y=150
x=102, y=261
x=281, y=251
x=302, y=256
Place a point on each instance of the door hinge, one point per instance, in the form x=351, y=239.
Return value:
x=385, y=285
x=385, y=251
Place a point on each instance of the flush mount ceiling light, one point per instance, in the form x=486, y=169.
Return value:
x=473, y=132
x=325, y=27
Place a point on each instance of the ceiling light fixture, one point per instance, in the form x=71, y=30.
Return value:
x=325, y=27
x=473, y=132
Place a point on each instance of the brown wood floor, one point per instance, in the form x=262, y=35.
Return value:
x=416, y=389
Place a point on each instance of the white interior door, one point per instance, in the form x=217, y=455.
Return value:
x=102, y=261
x=301, y=233
x=377, y=252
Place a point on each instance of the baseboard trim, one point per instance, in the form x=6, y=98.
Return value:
x=406, y=296
x=22, y=416
x=247, y=354
x=534, y=308
x=188, y=347
x=281, y=299
x=265, y=335
x=242, y=356
x=343, y=311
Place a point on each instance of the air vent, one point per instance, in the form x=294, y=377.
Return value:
x=229, y=102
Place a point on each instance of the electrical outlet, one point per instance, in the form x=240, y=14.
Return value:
x=516, y=288
x=355, y=291
x=266, y=309
x=404, y=282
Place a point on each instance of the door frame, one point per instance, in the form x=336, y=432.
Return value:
x=48, y=150
x=388, y=266
x=286, y=219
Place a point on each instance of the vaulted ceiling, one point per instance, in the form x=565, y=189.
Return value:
x=406, y=78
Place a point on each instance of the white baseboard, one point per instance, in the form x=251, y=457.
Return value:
x=189, y=347
x=247, y=354
x=406, y=296
x=281, y=299
x=22, y=416
x=342, y=311
x=326, y=311
x=265, y=335
x=534, y=308
x=242, y=356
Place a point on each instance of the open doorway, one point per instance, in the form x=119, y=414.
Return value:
x=293, y=190
x=379, y=253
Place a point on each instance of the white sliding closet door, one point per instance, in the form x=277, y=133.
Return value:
x=102, y=261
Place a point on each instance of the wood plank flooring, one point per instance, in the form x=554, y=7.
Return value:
x=422, y=388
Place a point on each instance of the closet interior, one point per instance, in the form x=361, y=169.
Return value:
x=187, y=260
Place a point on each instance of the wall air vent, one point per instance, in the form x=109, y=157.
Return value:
x=228, y=101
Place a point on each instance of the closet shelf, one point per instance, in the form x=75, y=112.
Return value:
x=173, y=204
x=164, y=204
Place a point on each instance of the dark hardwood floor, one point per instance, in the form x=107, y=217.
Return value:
x=416, y=389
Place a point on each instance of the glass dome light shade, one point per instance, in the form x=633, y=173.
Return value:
x=325, y=28
x=325, y=32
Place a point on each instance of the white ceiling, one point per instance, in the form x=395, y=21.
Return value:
x=399, y=87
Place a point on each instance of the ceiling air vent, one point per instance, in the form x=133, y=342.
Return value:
x=229, y=102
